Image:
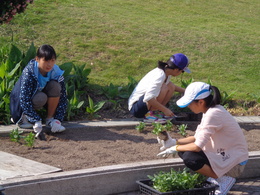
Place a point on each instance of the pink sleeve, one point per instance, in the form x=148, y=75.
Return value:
x=206, y=130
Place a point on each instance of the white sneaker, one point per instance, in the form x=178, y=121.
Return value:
x=55, y=125
x=225, y=183
x=24, y=123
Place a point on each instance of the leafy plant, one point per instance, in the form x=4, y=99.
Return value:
x=176, y=180
x=79, y=76
x=111, y=91
x=127, y=90
x=29, y=139
x=185, y=83
x=93, y=108
x=182, y=129
x=226, y=98
x=74, y=105
x=169, y=126
x=254, y=96
x=15, y=135
x=158, y=128
x=140, y=127
x=12, y=62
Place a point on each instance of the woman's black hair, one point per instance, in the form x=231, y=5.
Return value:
x=213, y=100
x=168, y=64
x=47, y=52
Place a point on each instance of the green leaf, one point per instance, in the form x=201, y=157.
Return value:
x=14, y=57
x=10, y=74
x=80, y=104
x=90, y=101
x=67, y=67
x=99, y=105
x=30, y=54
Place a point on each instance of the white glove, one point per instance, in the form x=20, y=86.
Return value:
x=172, y=150
x=168, y=143
x=55, y=125
x=37, y=127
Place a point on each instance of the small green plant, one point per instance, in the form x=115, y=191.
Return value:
x=93, y=108
x=111, y=91
x=15, y=135
x=158, y=128
x=74, y=104
x=185, y=83
x=226, y=98
x=254, y=96
x=182, y=129
x=140, y=127
x=127, y=90
x=176, y=180
x=29, y=139
x=169, y=126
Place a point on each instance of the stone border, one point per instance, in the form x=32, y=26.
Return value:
x=114, y=179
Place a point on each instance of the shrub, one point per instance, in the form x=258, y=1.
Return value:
x=9, y=8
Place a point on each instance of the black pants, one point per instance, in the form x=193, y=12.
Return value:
x=194, y=160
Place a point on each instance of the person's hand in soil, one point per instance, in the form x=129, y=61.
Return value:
x=37, y=128
x=166, y=141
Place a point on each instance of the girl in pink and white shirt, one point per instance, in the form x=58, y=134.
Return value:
x=218, y=149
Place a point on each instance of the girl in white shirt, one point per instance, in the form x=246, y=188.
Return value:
x=155, y=89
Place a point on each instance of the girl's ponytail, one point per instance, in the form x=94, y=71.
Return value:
x=215, y=99
x=162, y=65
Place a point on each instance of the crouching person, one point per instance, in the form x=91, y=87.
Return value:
x=41, y=85
x=218, y=149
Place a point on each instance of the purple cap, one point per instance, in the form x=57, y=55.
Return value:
x=181, y=61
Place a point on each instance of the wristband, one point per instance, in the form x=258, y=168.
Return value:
x=176, y=148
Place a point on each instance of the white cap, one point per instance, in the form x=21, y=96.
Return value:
x=195, y=91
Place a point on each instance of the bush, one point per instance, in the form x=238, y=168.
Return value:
x=9, y=8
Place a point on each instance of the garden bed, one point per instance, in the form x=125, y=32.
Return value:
x=100, y=146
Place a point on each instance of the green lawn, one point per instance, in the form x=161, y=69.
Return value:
x=117, y=38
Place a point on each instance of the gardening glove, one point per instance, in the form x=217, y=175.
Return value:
x=169, y=142
x=172, y=150
x=55, y=125
x=37, y=128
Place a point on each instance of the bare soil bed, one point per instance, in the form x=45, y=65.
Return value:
x=83, y=148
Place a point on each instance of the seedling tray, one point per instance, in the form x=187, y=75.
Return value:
x=146, y=188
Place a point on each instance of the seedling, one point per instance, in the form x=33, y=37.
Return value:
x=15, y=135
x=182, y=129
x=158, y=128
x=93, y=108
x=29, y=139
x=169, y=126
x=140, y=127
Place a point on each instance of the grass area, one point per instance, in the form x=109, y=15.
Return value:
x=117, y=39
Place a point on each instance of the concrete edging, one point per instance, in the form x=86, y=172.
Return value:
x=113, y=179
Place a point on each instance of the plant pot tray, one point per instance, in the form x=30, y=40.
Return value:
x=146, y=188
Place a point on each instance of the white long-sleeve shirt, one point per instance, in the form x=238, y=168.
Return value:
x=221, y=139
x=149, y=86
